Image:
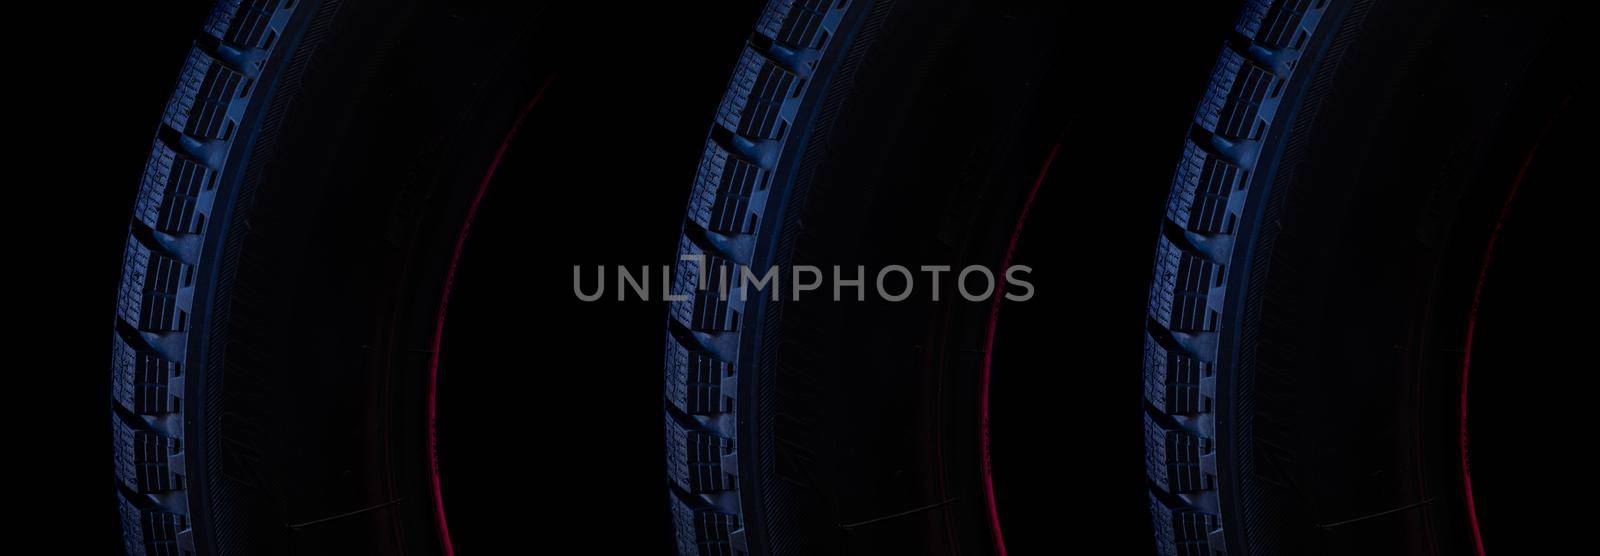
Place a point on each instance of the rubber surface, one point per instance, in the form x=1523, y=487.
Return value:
x=753, y=124
x=273, y=217
x=1204, y=206
x=215, y=88
x=852, y=134
x=1305, y=314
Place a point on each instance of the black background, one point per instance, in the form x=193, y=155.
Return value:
x=583, y=452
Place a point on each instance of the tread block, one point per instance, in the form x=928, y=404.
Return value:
x=754, y=105
x=703, y=530
x=1241, y=114
x=1173, y=458
x=1179, y=297
x=1201, y=192
x=1251, y=16
x=797, y=23
x=1182, y=531
x=207, y=89
x=694, y=380
x=1238, y=101
x=245, y=23
x=694, y=458
x=1209, y=113
x=170, y=195
x=152, y=531
x=143, y=458
x=140, y=379
x=1185, y=186
x=151, y=293
x=704, y=310
x=221, y=18
x=728, y=192
x=1280, y=25
x=1173, y=380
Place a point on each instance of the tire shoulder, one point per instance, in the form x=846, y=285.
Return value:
x=170, y=218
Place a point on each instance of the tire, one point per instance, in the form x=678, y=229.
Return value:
x=1341, y=175
x=271, y=232
x=786, y=430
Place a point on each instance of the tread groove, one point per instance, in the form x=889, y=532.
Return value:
x=772, y=78
x=214, y=87
x=1193, y=253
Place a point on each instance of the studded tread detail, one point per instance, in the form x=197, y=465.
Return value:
x=703, y=529
x=208, y=88
x=727, y=188
x=1181, y=531
x=144, y=458
x=145, y=383
x=175, y=193
x=730, y=196
x=755, y=100
x=695, y=463
x=694, y=380
x=1191, y=266
x=154, y=296
x=153, y=531
x=1176, y=382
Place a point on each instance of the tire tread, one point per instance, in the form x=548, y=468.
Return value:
x=753, y=122
x=215, y=87
x=1192, y=258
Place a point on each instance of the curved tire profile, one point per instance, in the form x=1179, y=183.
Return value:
x=795, y=49
x=218, y=85
x=272, y=231
x=852, y=133
x=1306, y=308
